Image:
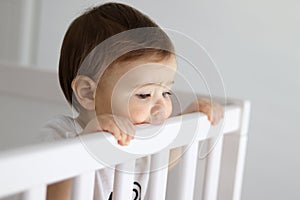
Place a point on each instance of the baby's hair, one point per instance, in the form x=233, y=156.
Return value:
x=97, y=25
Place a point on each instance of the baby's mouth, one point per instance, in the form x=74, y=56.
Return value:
x=157, y=115
x=157, y=118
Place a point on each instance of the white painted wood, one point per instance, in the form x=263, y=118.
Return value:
x=159, y=175
x=34, y=165
x=44, y=163
x=241, y=155
x=123, y=181
x=83, y=186
x=187, y=172
x=35, y=193
x=240, y=166
x=234, y=154
x=213, y=162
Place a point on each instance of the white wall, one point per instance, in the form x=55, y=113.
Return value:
x=10, y=17
x=28, y=99
x=256, y=46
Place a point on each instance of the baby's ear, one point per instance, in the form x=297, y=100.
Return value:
x=84, y=89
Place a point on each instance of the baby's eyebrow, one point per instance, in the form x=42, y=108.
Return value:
x=153, y=83
x=166, y=83
x=170, y=83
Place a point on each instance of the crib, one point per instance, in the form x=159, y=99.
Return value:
x=27, y=170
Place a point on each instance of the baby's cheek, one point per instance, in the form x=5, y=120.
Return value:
x=139, y=115
x=168, y=111
x=168, y=108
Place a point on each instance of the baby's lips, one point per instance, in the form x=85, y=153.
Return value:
x=157, y=119
x=157, y=114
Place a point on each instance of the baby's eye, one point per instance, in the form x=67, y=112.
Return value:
x=165, y=94
x=143, y=96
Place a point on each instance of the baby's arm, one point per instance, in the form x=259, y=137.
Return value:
x=213, y=110
x=121, y=128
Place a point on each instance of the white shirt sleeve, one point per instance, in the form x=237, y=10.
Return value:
x=61, y=127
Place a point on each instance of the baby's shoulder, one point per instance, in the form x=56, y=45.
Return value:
x=60, y=127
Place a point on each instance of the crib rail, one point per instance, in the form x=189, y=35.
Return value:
x=30, y=169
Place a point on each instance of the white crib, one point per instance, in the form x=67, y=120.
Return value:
x=27, y=170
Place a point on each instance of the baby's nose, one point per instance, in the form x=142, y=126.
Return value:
x=157, y=114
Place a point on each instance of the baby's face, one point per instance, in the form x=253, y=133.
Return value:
x=138, y=90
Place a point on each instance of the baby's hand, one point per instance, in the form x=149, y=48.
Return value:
x=121, y=128
x=214, y=111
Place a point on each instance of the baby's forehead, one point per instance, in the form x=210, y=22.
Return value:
x=141, y=70
x=143, y=66
x=146, y=70
x=144, y=60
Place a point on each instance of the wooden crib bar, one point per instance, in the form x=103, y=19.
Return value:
x=83, y=186
x=212, y=172
x=35, y=193
x=158, y=175
x=123, y=176
x=187, y=172
x=32, y=178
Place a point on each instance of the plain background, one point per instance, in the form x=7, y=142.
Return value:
x=255, y=44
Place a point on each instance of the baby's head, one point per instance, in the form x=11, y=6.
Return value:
x=115, y=60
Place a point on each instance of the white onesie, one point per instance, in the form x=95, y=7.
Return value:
x=63, y=127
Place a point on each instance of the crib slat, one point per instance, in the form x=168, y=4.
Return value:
x=233, y=159
x=36, y=193
x=187, y=172
x=213, y=163
x=83, y=186
x=158, y=177
x=123, y=181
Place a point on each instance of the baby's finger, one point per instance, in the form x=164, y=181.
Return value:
x=130, y=128
x=128, y=139
x=122, y=141
x=125, y=139
x=113, y=129
x=218, y=114
x=214, y=121
x=206, y=109
x=126, y=126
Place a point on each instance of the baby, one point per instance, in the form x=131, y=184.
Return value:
x=116, y=75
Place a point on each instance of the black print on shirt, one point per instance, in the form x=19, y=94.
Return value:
x=137, y=190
